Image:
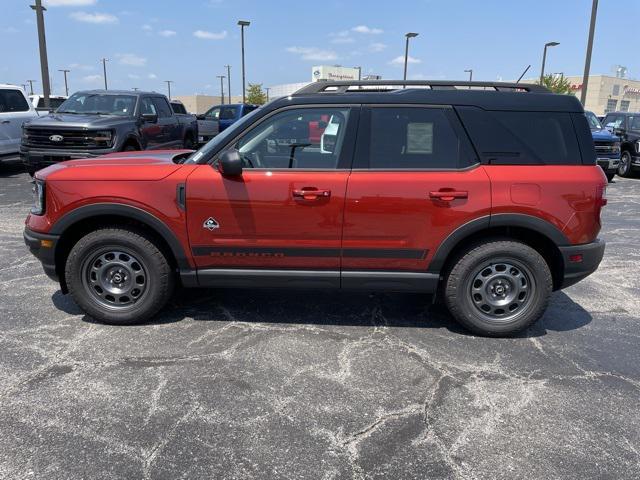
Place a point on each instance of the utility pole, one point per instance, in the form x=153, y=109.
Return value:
x=169, y=82
x=587, y=60
x=243, y=23
x=104, y=70
x=66, y=86
x=42, y=41
x=228, y=67
x=221, y=77
x=31, y=86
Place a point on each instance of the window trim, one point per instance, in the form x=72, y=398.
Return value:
x=364, y=137
x=345, y=162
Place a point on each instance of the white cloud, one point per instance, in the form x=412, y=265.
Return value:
x=146, y=27
x=131, y=59
x=367, y=30
x=79, y=66
x=210, y=35
x=152, y=76
x=94, y=17
x=92, y=78
x=399, y=60
x=69, y=3
x=342, y=40
x=133, y=76
x=377, y=47
x=167, y=33
x=314, y=54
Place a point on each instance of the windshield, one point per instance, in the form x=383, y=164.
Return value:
x=594, y=123
x=99, y=104
x=206, y=152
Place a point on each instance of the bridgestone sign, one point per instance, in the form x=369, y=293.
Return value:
x=330, y=72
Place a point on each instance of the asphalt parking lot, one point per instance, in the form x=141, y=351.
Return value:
x=245, y=384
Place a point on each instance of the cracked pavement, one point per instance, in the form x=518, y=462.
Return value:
x=241, y=384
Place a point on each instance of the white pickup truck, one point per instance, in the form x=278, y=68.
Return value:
x=15, y=109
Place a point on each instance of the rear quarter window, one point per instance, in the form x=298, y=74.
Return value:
x=522, y=138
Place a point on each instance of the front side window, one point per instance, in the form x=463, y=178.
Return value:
x=99, y=104
x=213, y=114
x=412, y=138
x=12, y=101
x=285, y=140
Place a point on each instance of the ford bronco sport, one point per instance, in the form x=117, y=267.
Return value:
x=485, y=193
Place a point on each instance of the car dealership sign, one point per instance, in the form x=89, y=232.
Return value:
x=332, y=72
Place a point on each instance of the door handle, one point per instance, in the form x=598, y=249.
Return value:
x=448, y=195
x=310, y=193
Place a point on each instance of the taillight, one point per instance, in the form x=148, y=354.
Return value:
x=602, y=195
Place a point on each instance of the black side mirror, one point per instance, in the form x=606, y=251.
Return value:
x=150, y=117
x=230, y=163
x=618, y=131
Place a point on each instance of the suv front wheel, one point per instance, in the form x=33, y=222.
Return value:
x=498, y=287
x=118, y=276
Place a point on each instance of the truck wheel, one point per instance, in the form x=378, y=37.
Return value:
x=498, y=287
x=130, y=148
x=118, y=276
x=624, y=169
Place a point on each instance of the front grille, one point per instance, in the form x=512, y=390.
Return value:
x=78, y=139
x=605, y=147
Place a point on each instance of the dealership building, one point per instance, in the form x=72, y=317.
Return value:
x=608, y=93
x=319, y=73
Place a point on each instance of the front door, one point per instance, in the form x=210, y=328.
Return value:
x=14, y=111
x=413, y=183
x=285, y=212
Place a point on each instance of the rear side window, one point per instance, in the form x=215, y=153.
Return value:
x=228, y=113
x=522, y=138
x=12, y=101
x=178, y=108
x=409, y=138
x=162, y=107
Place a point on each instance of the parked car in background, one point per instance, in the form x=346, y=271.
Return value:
x=15, y=110
x=188, y=121
x=491, y=199
x=220, y=117
x=54, y=102
x=97, y=122
x=607, y=146
x=626, y=125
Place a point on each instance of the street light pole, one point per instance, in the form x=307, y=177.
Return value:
x=470, y=72
x=544, y=58
x=31, y=86
x=243, y=23
x=228, y=67
x=221, y=77
x=267, y=90
x=104, y=70
x=66, y=86
x=406, y=52
x=169, y=82
x=359, y=73
x=587, y=60
x=42, y=41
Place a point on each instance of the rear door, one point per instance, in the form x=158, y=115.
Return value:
x=14, y=111
x=228, y=115
x=285, y=211
x=415, y=180
x=171, y=136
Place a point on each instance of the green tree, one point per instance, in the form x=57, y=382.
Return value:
x=255, y=94
x=557, y=84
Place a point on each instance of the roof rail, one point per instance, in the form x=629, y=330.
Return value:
x=343, y=86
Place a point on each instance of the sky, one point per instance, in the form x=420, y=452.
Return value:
x=190, y=41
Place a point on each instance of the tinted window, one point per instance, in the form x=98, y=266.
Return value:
x=229, y=113
x=53, y=102
x=162, y=107
x=248, y=109
x=522, y=138
x=285, y=141
x=213, y=114
x=147, y=107
x=412, y=138
x=178, y=108
x=12, y=101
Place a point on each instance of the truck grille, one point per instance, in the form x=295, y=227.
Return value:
x=605, y=147
x=72, y=139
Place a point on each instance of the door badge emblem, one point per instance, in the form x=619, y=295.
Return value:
x=211, y=224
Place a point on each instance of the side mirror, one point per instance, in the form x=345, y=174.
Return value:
x=150, y=117
x=230, y=163
x=618, y=131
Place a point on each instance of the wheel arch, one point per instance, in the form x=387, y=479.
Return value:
x=72, y=226
x=132, y=140
x=532, y=231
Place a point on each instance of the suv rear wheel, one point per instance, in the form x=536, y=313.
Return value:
x=498, y=287
x=118, y=276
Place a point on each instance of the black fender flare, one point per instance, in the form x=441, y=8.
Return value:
x=132, y=138
x=123, y=210
x=497, y=220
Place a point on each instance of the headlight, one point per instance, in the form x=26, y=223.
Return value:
x=38, y=197
x=616, y=147
x=103, y=138
x=638, y=146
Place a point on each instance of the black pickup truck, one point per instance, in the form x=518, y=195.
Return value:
x=97, y=122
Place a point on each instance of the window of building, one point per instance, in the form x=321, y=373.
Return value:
x=615, y=90
x=612, y=105
x=624, y=105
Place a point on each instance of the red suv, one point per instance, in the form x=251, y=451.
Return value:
x=487, y=193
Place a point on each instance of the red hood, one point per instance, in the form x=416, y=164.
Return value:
x=147, y=165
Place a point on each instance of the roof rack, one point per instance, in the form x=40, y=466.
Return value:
x=362, y=86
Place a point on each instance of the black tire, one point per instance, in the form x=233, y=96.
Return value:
x=610, y=176
x=624, y=169
x=94, y=260
x=130, y=148
x=188, y=142
x=471, y=283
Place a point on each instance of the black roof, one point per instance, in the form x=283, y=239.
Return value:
x=486, y=95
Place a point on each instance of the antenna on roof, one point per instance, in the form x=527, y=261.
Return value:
x=525, y=71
